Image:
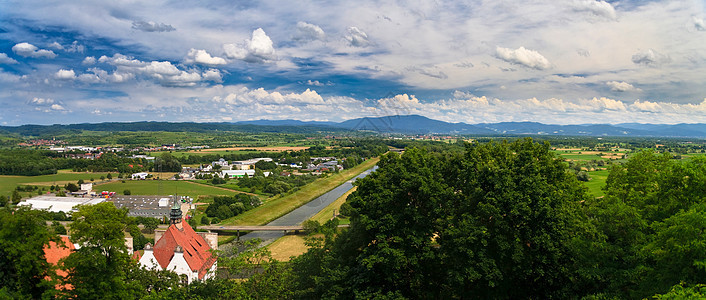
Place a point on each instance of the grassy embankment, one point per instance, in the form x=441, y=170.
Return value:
x=276, y=207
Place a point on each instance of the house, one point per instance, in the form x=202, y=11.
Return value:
x=221, y=162
x=182, y=250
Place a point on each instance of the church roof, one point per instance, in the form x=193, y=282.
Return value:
x=196, y=250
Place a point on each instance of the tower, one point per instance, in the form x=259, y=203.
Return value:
x=175, y=213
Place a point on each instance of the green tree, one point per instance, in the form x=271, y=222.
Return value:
x=150, y=224
x=109, y=176
x=127, y=192
x=98, y=269
x=23, y=267
x=58, y=228
x=72, y=187
x=498, y=221
x=16, y=197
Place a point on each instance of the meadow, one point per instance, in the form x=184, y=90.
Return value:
x=163, y=187
x=9, y=182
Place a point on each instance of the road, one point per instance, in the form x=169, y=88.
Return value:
x=304, y=212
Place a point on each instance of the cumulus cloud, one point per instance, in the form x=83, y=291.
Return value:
x=65, y=75
x=521, y=56
x=357, y=38
x=598, y=8
x=57, y=107
x=163, y=72
x=29, y=50
x=622, y=86
x=650, y=58
x=212, y=75
x=699, y=24
x=56, y=46
x=261, y=96
x=308, y=32
x=314, y=83
x=202, y=57
x=258, y=49
x=4, y=59
x=152, y=26
x=89, y=60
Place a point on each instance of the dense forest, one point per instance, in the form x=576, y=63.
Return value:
x=494, y=220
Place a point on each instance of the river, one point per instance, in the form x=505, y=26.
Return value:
x=304, y=212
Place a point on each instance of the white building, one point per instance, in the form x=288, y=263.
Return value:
x=142, y=175
x=182, y=250
x=59, y=204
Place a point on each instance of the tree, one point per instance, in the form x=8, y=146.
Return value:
x=127, y=192
x=98, y=268
x=23, y=267
x=150, y=224
x=205, y=220
x=58, y=228
x=498, y=221
x=16, y=197
x=80, y=181
x=72, y=187
x=109, y=176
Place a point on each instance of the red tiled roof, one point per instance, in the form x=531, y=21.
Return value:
x=54, y=252
x=196, y=250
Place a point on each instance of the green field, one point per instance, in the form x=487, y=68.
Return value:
x=275, y=207
x=597, y=182
x=9, y=182
x=168, y=187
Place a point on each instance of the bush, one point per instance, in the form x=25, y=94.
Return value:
x=126, y=192
x=205, y=220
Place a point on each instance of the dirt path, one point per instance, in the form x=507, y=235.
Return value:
x=222, y=188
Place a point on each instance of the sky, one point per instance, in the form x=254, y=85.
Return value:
x=554, y=62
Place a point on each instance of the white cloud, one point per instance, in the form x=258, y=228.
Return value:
x=41, y=101
x=157, y=68
x=29, y=50
x=308, y=32
x=57, y=107
x=522, y=56
x=357, y=38
x=202, y=57
x=4, y=59
x=598, y=8
x=622, y=86
x=212, y=75
x=89, y=60
x=65, y=75
x=56, y=46
x=699, y=24
x=650, y=58
x=314, y=83
x=76, y=47
x=258, y=49
x=152, y=26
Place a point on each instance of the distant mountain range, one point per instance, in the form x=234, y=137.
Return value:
x=415, y=124
x=408, y=124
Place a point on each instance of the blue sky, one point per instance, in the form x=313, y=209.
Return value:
x=555, y=62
